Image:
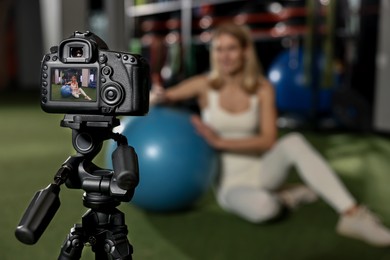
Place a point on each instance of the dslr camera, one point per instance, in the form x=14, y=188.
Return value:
x=82, y=76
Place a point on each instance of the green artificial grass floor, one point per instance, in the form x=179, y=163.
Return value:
x=56, y=94
x=33, y=146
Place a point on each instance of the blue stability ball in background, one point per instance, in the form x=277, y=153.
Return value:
x=66, y=91
x=293, y=94
x=176, y=165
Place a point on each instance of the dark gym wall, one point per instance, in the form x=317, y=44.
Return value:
x=22, y=42
x=28, y=42
x=74, y=16
x=382, y=91
x=363, y=70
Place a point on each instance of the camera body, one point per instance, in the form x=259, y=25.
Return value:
x=82, y=76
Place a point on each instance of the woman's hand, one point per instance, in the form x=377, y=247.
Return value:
x=157, y=95
x=206, y=132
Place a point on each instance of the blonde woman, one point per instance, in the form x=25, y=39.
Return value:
x=238, y=118
x=76, y=91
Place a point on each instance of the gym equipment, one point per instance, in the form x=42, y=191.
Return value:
x=177, y=165
x=293, y=93
x=66, y=91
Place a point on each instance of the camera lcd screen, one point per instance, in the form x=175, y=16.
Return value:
x=74, y=84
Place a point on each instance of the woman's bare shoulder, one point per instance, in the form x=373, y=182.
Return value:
x=265, y=90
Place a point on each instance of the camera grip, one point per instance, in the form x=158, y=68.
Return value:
x=125, y=164
x=38, y=215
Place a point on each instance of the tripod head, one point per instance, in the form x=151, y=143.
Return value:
x=104, y=189
x=88, y=134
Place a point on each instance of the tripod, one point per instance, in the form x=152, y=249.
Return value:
x=103, y=225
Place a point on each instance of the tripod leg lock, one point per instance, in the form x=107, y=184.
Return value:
x=73, y=244
x=118, y=247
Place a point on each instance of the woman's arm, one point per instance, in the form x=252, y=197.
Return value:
x=187, y=89
x=256, y=144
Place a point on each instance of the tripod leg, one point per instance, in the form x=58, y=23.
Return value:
x=73, y=244
x=118, y=247
x=110, y=232
x=116, y=243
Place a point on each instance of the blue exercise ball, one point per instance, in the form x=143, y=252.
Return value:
x=293, y=91
x=66, y=91
x=176, y=165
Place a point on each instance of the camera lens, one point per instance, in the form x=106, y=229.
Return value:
x=76, y=52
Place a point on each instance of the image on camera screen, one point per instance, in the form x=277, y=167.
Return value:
x=74, y=84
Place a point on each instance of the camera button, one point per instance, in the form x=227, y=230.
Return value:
x=118, y=55
x=106, y=70
x=54, y=58
x=47, y=58
x=44, y=67
x=111, y=95
x=44, y=92
x=102, y=58
x=44, y=83
x=132, y=60
x=125, y=57
x=44, y=75
x=103, y=80
x=44, y=99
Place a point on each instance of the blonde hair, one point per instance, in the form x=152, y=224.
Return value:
x=252, y=71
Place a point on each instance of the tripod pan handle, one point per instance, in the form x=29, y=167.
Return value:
x=38, y=215
x=125, y=164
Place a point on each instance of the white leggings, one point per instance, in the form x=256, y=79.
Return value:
x=77, y=93
x=258, y=205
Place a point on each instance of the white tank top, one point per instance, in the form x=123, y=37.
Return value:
x=236, y=170
x=228, y=124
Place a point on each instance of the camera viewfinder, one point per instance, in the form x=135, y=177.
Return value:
x=76, y=52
